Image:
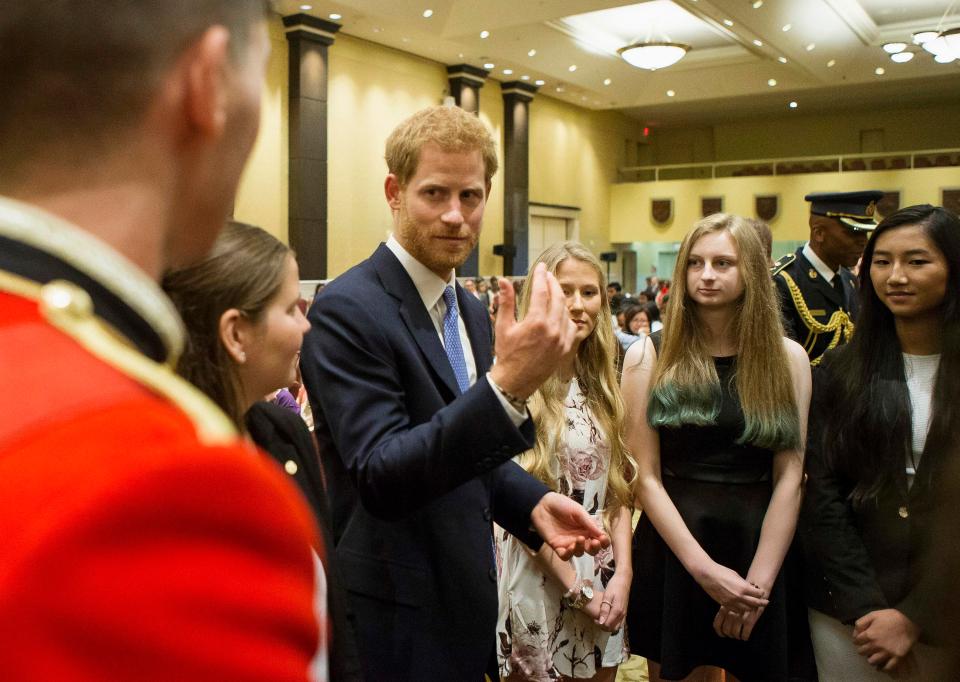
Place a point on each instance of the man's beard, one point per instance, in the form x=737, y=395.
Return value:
x=418, y=243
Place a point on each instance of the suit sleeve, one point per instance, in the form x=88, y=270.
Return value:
x=515, y=494
x=397, y=466
x=830, y=537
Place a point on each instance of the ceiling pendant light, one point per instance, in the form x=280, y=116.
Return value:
x=653, y=55
x=952, y=40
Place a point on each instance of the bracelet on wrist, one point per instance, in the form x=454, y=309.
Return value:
x=519, y=404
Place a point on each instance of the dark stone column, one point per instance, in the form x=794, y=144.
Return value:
x=465, y=84
x=517, y=96
x=308, y=39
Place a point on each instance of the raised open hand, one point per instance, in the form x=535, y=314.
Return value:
x=530, y=350
x=566, y=527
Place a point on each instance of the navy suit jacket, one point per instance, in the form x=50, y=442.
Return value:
x=417, y=472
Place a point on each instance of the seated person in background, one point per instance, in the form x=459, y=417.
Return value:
x=141, y=538
x=244, y=330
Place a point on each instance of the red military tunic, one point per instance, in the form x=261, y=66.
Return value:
x=139, y=539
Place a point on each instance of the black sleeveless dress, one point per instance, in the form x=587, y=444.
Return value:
x=721, y=490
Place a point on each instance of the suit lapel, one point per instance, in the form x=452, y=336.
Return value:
x=398, y=284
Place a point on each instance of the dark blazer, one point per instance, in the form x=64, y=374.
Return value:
x=866, y=558
x=417, y=473
x=282, y=434
x=819, y=298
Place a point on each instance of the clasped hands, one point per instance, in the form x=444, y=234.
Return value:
x=741, y=602
x=886, y=637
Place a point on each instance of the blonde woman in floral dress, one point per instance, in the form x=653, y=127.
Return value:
x=564, y=619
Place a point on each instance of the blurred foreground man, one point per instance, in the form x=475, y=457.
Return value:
x=417, y=426
x=140, y=538
x=817, y=290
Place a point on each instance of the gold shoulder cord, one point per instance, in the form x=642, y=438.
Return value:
x=839, y=324
x=69, y=309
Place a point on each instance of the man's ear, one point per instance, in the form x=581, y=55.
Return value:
x=392, y=190
x=234, y=335
x=487, y=187
x=206, y=74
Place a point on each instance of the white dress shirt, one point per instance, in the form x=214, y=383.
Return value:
x=431, y=288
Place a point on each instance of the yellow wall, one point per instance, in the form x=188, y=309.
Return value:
x=930, y=126
x=262, y=197
x=574, y=156
x=630, y=202
x=371, y=89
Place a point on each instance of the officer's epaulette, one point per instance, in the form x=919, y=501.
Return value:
x=782, y=263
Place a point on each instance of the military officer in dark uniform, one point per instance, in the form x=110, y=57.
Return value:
x=816, y=288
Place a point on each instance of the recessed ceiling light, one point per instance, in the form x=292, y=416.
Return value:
x=405, y=39
x=902, y=57
x=338, y=17
x=607, y=81
x=375, y=29
x=572, y=68
x=757, y=4
x=811, y=47
x=894, y=48
x=489, y=65
x=782, y=60
x=920, y=37
x=560, y=88
x=427, y=13
x=538, y=82
x=583, y=98
x=670, y=93
x=786, y=27
x=727, y=22
x=879, y=70
x=771, y=82
x=532, y=53
x=460, y=56
x=758, y=43
x=792, y=105
x=524, y=77
x=832, y=63
x=508, y=72
x=943, y=58
x=484, y=34
x=306, y=8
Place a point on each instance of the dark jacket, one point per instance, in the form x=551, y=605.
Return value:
x=868, y=557
x=808, y=303
x=282, y=434
x=417, y=473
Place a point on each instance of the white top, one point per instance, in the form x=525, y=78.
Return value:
x=431, y=288
x=921, y=373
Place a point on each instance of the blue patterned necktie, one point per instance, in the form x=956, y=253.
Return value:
x=451, y=340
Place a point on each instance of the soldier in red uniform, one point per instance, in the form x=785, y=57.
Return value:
x=139, y=539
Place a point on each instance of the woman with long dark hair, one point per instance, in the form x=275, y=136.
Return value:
x=716, y=419
x=884, y=422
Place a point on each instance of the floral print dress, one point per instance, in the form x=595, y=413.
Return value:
x=537, y=635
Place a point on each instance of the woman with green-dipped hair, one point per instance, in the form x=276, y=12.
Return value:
x=716, y=419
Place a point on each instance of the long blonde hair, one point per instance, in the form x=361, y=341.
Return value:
x=595, y=368
x=686, y=388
